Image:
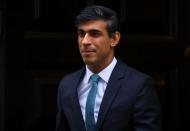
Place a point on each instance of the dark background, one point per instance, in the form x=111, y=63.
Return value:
x=38, y=46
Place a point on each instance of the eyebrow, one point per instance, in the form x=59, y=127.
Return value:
x=91, y=30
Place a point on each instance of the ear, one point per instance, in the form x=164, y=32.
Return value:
x=115, y=39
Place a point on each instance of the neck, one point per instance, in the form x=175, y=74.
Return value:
x=100, y=66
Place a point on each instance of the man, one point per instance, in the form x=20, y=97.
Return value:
x=124, y=98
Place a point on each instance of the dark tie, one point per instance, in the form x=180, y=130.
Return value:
x=90, y=102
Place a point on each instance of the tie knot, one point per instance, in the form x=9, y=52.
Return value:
x=95, y=77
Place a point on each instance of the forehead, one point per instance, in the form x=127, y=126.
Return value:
x=93, y=25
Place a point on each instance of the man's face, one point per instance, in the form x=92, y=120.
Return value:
x=96, y=47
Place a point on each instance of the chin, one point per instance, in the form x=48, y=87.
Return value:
x=88, y=61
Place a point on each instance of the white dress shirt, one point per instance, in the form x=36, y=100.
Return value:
x=85, y=86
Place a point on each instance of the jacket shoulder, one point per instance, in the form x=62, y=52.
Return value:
x=131, y=72
x=135, y=76
x=73, y=75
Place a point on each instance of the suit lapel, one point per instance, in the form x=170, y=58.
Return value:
x=112, y=88
x=75, y=106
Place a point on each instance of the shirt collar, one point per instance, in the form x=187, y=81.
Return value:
x=104, y=74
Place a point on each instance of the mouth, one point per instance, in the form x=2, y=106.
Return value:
x=87, y=53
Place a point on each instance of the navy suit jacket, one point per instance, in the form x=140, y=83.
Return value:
x=130, y=103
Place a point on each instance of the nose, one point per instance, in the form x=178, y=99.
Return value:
x=86, y=39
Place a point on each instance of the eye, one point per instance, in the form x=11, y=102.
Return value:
x=95, y=33
x=81, y=33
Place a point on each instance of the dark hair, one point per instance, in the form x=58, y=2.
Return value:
x=97, y=12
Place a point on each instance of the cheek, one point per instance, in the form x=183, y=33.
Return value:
x=106, y=46
x=79, y=44
x=104, y=49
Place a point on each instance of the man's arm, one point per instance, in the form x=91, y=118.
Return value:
x=147, y=110
x=61, y=121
